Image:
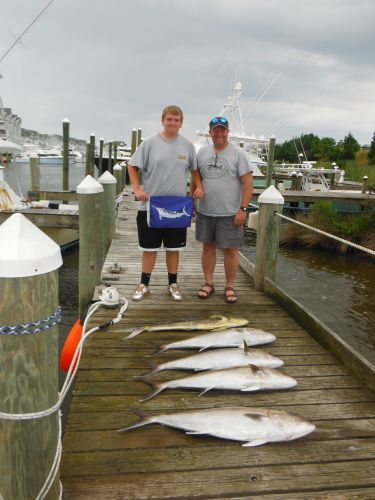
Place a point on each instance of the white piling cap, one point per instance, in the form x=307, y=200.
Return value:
x=107, y=178
x=66, y=120
x=117, y=167
x=272, y=196
x=27, y=251
x=89, y=186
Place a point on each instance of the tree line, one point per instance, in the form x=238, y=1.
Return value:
x=314, y=148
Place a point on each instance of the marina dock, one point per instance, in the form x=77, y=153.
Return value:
x=336, y=461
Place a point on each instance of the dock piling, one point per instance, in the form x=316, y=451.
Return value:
x=90, y=200
x=35, y=173
x=364, y=184
x=92, y=155
x=66, y=126
x=110, y=157
x=100, y=163
x=117, y=172
x=28, y=357
x=270, y=201
x=271, y=155
x=109, y=183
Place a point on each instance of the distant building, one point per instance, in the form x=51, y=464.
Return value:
x=10, y=125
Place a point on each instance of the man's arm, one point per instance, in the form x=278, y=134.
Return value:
x=247, y=193
x=196, y=186
x=134, y=179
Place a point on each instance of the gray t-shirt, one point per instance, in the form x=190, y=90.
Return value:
x=221, y=174
x=164, y=165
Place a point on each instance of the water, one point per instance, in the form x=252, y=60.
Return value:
x=338, y=289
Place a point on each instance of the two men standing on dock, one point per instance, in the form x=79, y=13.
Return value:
x=163, y=160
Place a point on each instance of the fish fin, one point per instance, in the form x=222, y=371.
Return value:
x=145, y=419
x=156, y=388
x=251, y=389
x=215, y=316
x=255, y=442
x=247, y=348
x=205, y=390
x=194, y=433
x=134, y=333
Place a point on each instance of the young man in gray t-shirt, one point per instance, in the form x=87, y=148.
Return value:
x=163, y=159
x=228, y=185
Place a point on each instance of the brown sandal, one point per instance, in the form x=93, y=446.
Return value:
x=202, y=290
x=230, y=299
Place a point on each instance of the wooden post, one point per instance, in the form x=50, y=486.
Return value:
x=139, y=137
x=332, y=180
x=100, y=165
x=271, y=155
x=364, y=184
x=294, y=180
x=134, y=141
x=117, y=172
x=114, y=153
x=109, y=183
x=299, y=181
x=124, y=172
x=88, y=159
x=35, y=173
x=92, y=155
x=270, y=201
x=90, y=199
x=110, y=157
x=28, y=362
x=66, y=125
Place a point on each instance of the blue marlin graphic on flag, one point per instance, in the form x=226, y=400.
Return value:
x=170, y=211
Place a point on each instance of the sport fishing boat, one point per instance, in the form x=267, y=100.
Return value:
x=255, y=147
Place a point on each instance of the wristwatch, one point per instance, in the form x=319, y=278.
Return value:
x=243, y=208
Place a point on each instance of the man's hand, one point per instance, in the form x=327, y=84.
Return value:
x=240, y=218
x=198, y=193
x=141, y=195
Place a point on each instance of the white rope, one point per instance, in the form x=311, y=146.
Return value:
x=319, y=231
x=109, y=298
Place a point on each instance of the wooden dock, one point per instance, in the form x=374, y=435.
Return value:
x=336, y=461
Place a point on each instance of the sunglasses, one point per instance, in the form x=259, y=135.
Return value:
x=218, y=120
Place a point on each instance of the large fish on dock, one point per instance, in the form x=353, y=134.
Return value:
x=219, y=359
x=253, y=426
x=223, y=338
x=245, y=379
x=212, y=323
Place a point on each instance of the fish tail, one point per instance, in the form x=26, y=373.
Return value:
x=145, y=419
x=135, y=332
x=154, y=369
x=156, y=388
x=158, y=349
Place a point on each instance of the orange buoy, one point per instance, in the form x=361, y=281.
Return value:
x=70, y=345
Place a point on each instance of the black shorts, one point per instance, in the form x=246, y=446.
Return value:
x=151, y=239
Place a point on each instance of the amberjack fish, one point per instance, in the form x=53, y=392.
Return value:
x=253, y=426
x=218, y=359
x=223, y=338
x=215, y=322
x=245, y=379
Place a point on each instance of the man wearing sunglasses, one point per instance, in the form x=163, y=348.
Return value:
x=228, y=185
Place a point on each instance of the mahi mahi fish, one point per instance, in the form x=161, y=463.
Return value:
x=253, y=426
x=212, y=323
x=245, y=379
x=224, y=338
x=218, y=359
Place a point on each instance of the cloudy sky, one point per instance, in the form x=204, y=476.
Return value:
x=113, y=65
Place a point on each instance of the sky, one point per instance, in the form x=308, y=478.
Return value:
x=112, y=65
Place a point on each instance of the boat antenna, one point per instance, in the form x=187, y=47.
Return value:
x=19, y=37
x=298, y=156
x=303, y=149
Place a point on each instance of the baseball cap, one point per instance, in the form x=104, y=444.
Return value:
x=218, y=121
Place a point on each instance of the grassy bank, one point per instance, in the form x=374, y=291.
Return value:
x=358, y=229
